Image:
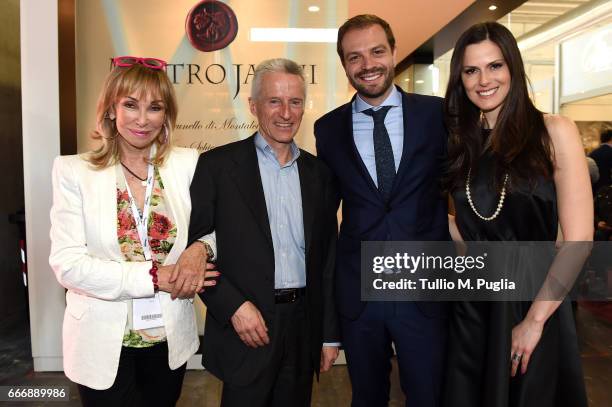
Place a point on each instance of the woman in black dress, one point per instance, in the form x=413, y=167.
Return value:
x=515, y=174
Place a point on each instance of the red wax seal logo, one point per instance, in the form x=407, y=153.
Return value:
x=211, y=25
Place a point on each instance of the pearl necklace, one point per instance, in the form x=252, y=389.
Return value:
x=499, y=205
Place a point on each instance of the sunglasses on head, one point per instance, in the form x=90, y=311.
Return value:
x=126, y=61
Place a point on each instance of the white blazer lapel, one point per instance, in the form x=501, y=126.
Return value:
x=172, y=194
x=107, y=187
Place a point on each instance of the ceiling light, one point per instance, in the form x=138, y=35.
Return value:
x=420, y=81
x=492, y=7
x=313, y=9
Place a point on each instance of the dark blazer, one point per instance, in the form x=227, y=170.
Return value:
x=227, y=197
x=416, y=210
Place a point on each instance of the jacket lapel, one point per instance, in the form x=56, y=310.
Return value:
x=349, y=142
x=173, y=205
x=411, y=121
x=104, y=184
x=308, y=184
x=248, y=179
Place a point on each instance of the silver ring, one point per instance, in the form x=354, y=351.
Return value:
x=516, y=357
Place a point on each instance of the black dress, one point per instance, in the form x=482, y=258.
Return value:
x=478, y=372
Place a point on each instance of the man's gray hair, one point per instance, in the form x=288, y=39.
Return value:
x=282, y=65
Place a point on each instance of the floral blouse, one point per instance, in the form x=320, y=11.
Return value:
x=162, y=234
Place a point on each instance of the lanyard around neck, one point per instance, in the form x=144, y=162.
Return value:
x=142, y=220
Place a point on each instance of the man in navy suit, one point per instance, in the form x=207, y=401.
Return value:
x=386, y=149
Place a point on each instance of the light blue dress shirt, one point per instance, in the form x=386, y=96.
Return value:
x=281, y=185
x=363, y=130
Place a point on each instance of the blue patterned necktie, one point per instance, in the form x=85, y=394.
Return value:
x=383, y=153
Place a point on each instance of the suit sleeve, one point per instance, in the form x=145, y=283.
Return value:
x=74, y=267
x=224, y=298
x=210, y=238
x=331, y=330
x=319, y=141
x=322, y=154
x=203, y=196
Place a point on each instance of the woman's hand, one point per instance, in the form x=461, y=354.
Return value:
x=163, y=275
x=525, y=338
x=192, y=272
x=165, y=272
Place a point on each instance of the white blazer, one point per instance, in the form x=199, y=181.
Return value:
x=86, y=259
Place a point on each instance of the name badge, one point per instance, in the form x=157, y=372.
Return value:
x=147, y=313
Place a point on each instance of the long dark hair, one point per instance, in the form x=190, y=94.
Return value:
x=519, y=142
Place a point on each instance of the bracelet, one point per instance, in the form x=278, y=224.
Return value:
x=153, y=273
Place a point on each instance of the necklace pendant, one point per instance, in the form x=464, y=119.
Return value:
x=143, y=183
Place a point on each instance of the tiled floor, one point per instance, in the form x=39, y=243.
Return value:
x=202, y=389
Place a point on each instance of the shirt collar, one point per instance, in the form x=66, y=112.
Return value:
x=262, y=145
x=394, y=99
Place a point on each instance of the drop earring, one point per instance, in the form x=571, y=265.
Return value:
x=165, y=139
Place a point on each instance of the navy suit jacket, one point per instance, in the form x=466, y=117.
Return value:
x=416, y=210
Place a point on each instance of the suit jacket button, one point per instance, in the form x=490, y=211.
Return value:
x=387, y=208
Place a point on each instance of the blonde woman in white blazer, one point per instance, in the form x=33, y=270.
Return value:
x=119, y=222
